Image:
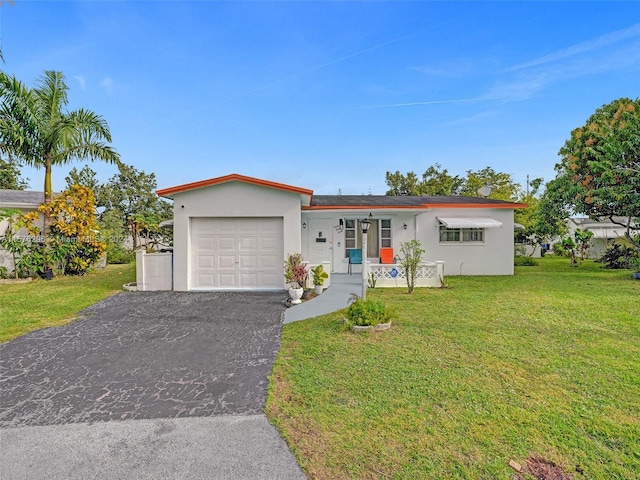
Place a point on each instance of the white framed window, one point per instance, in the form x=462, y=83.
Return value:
x=461, y=235
x=379, y=236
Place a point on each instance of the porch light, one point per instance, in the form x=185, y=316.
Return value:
x=365, y=223
x=304, y=225
x=404, y=225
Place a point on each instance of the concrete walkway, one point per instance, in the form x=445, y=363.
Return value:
x=334, y=298
x=200, y=448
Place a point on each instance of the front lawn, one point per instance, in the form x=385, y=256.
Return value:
x=543, y=364
x=29, y=306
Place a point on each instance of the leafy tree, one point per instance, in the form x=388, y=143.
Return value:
x=569, y=248
x=599, y=171
x=582, y=238
x=36, y=128
x=86, y=177
x=404, y=185
x=435, y=181
x=411, y=256
x=132, y=193
x=75, y=245
x=438, y=181
x=502, y=185
x=10, y=177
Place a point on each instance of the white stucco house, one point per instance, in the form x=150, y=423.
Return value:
x=604, y=232
x=25, y=202
x=234, y=232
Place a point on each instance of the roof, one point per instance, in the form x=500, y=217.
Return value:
x=337, y=202
x=386, y=201
x=602, y=222
x=234, y=177
x=20, y=198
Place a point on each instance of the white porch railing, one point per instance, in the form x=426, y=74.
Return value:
x=428, y=274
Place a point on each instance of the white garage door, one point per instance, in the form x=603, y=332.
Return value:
x=237, y=253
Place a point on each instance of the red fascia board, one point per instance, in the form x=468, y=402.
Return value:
x=234, y=177
x=415, y=207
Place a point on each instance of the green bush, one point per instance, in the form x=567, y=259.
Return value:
x=369, y=312
x=621, y=254
x=521, y=261
x=116, y=254
x=558, y=249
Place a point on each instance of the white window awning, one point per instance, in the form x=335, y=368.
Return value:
x=469, y=222
x=607, y=233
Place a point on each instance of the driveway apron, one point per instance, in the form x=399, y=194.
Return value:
x=161, y=356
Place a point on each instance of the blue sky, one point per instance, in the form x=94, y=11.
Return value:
x=329, y=95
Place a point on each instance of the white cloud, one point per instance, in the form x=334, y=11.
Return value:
x=583, y=47
x=81, y=80
x=107, y=84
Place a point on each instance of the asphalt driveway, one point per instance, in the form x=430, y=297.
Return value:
x=195, y=365
x=145, y=355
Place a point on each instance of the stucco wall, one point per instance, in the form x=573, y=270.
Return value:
x=233, y=199
x=494, y=256
x=336, y=239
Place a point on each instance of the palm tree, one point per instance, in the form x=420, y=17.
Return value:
x=36, y=129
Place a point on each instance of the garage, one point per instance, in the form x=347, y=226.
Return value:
x=237, y=253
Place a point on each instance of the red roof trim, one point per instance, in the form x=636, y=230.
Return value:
x=234, y=177
x=416, y=207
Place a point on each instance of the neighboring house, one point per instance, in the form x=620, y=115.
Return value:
x=25, y=201
x=604, y=232
x=235, y=231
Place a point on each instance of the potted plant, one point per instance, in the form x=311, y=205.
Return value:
x=319, y=276
x=295, y=273
x=368, y=315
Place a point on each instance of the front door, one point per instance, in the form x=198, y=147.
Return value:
x=320, y=240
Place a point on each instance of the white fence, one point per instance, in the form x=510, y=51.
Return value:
x=154, y=271
x=428, y=274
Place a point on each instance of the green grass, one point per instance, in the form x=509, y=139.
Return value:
x=545, y=362
x=30, y=306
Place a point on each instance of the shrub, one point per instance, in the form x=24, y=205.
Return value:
x=621, y=254
x=558, y=249
x=520, y=261
x=368, y=312
x=411, y=252
x=116, y=254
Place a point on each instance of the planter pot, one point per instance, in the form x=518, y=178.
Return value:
x=636, y=275
x=295, y=294
x=46, y=275
x=361, y=329
x=318, y=289
x=306, y=294
x=382, y=327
